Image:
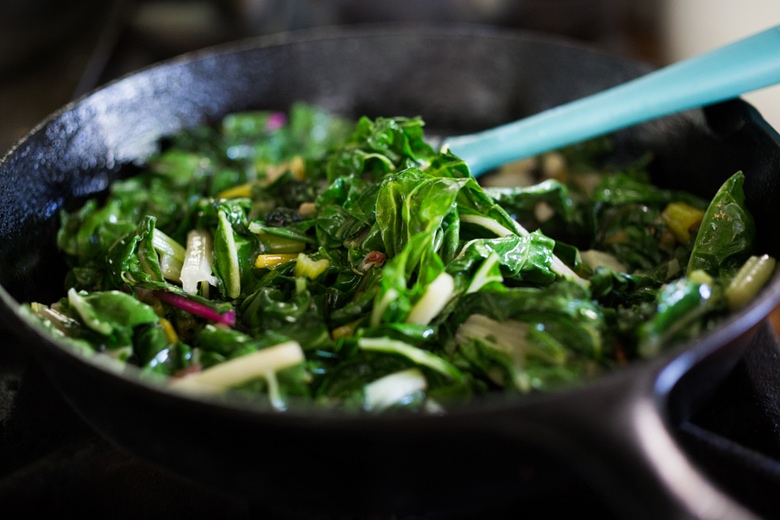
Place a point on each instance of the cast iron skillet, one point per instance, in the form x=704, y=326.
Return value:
x=615, y=434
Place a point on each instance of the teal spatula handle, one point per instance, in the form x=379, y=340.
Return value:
x=724, y=73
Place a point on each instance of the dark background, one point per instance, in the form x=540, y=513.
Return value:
x=51, y=50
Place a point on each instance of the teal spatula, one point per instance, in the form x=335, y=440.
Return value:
x=724, y=73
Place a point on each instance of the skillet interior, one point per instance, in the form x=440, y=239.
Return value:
x=459, y=81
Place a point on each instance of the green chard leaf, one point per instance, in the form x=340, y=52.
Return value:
x=390, y=279
x=725, y=236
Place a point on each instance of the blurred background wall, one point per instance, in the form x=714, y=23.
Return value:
x=51, y=51
x=690, y=27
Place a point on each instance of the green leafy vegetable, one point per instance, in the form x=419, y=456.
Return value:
x=309, y=259
x=726, y=233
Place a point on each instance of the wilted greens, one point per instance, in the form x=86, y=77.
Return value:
x=310, y=259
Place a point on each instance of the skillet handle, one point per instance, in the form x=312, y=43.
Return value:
x=616, y=437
